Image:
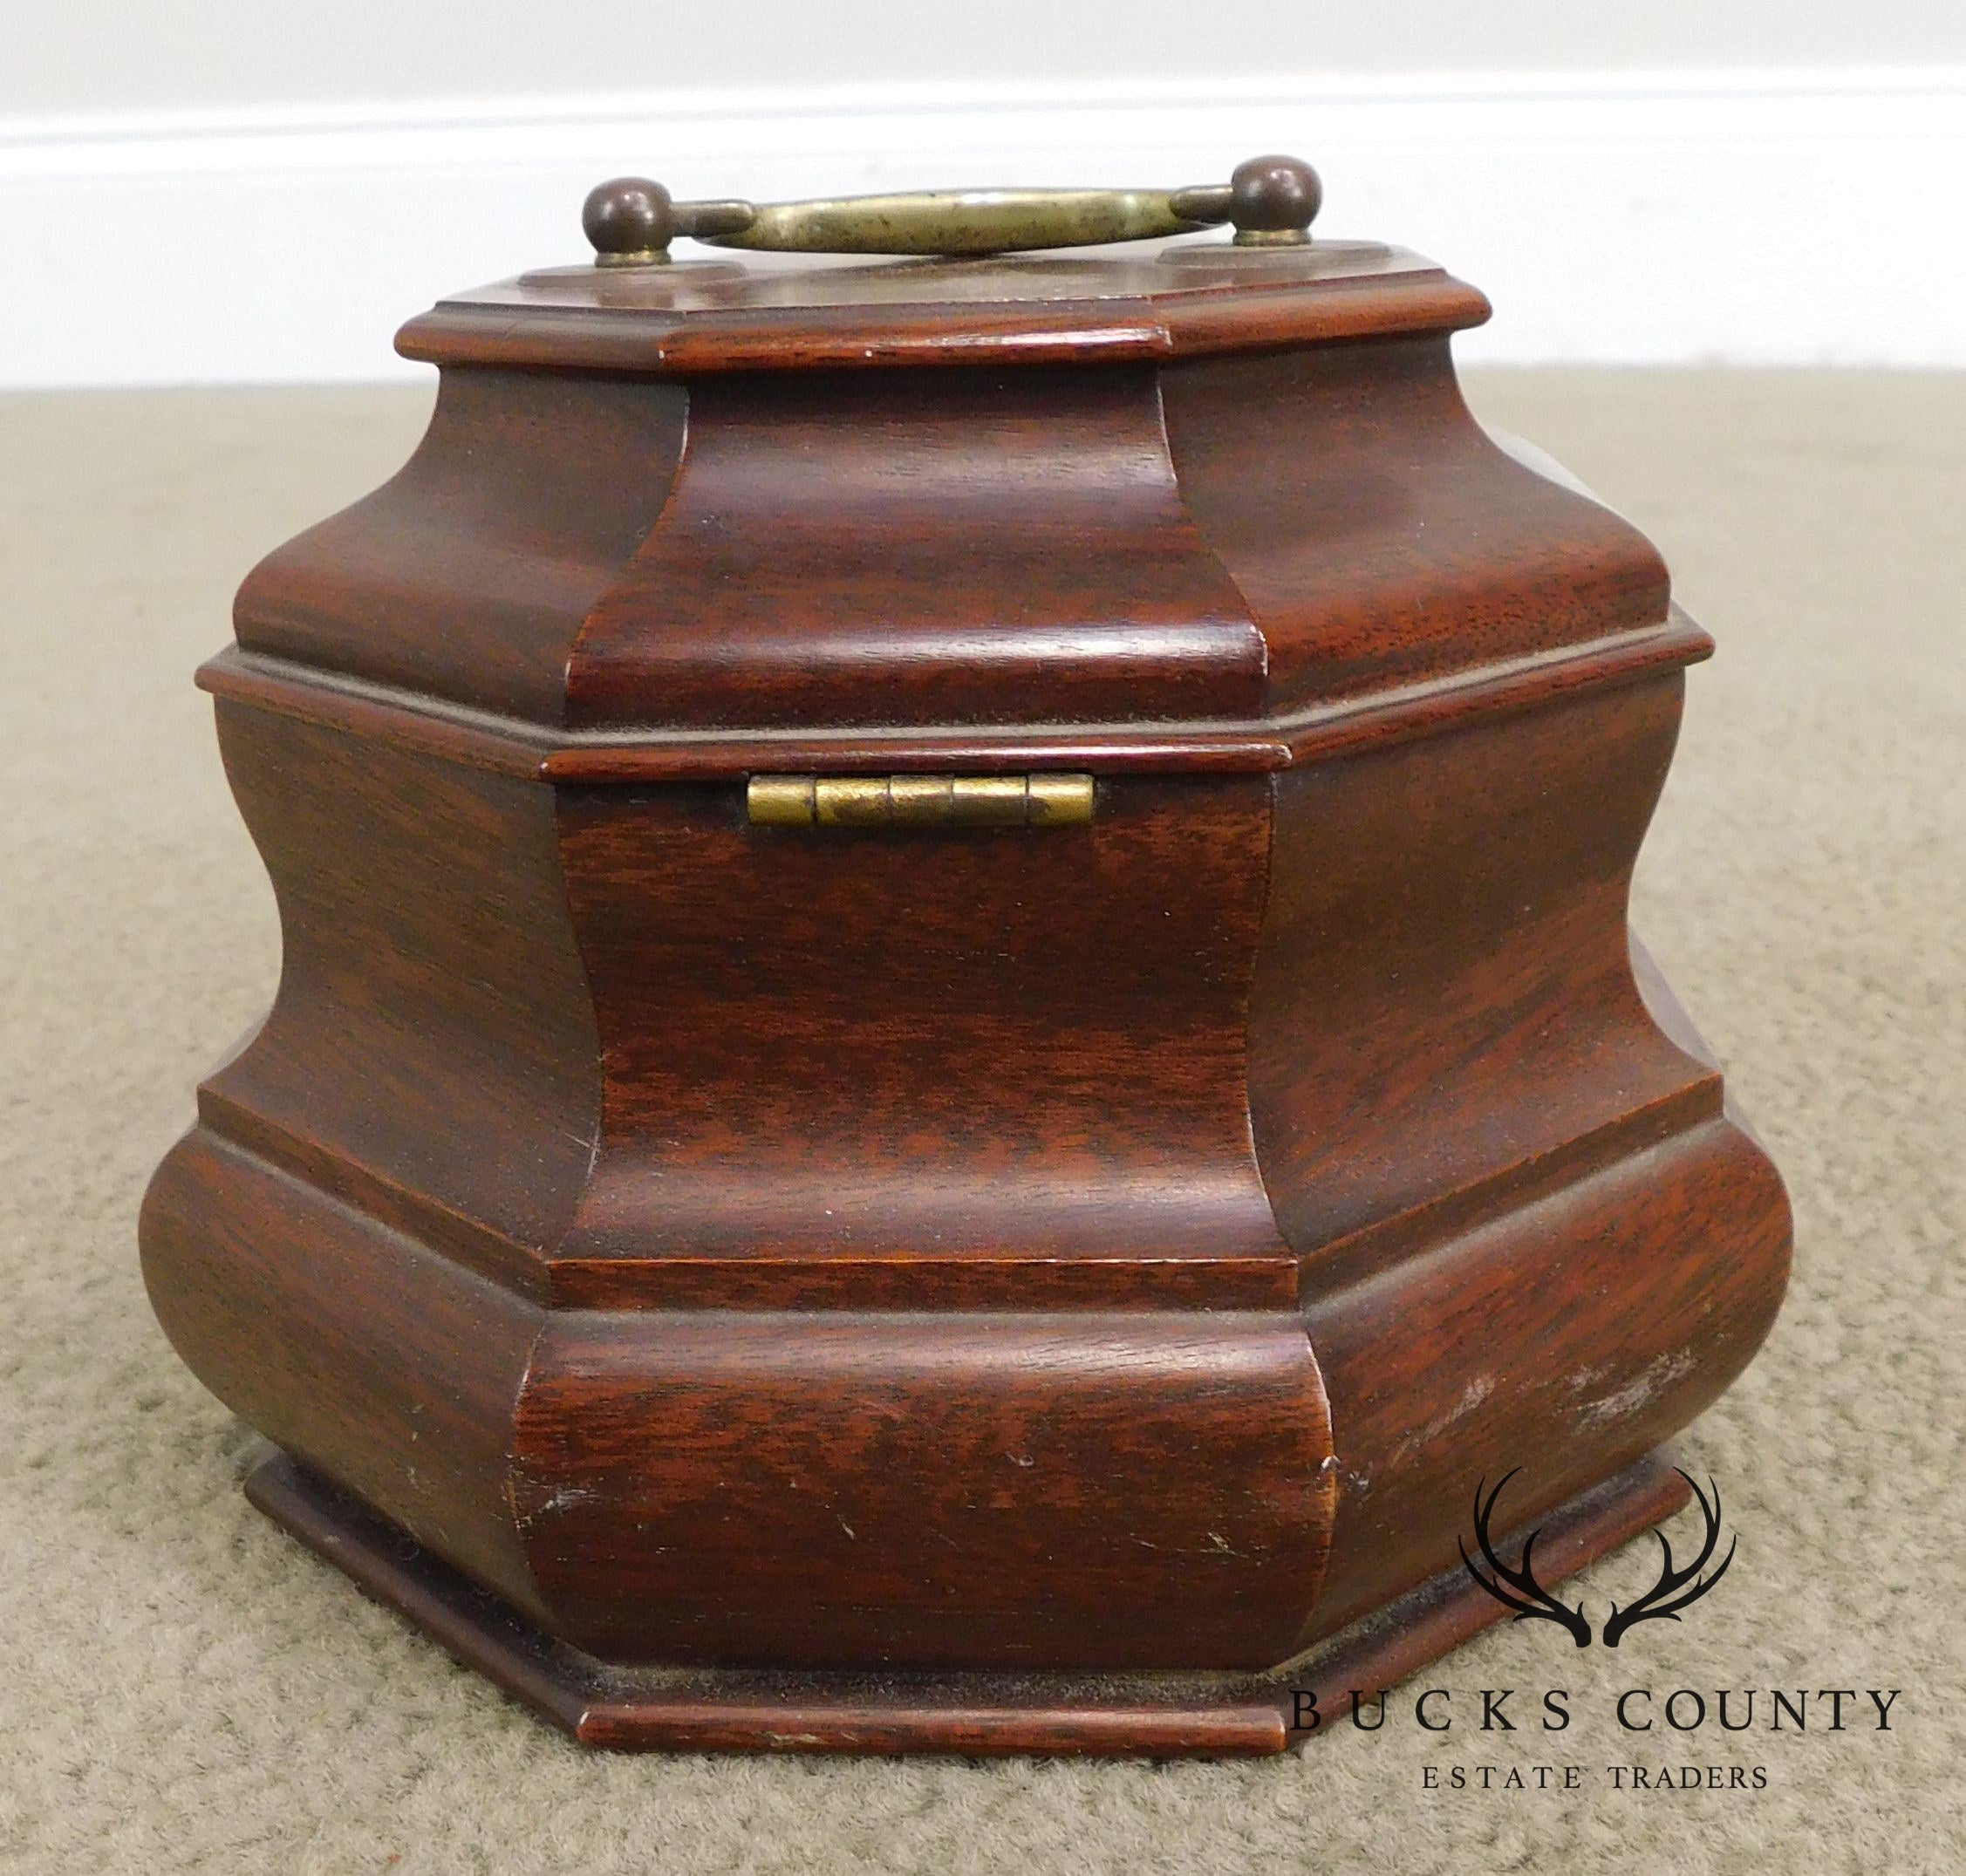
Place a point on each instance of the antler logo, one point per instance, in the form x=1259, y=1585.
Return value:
x=1518, y=1588
x=1663, y=1601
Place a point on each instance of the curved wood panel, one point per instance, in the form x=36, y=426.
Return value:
x=1565, y=1337
x=1445, y=995
x=431, y=1055
x=850, y=548
x=468, y=575
x=999, y=1491
x=1010, y=1051
x=380, y=1362
x=1378, y=534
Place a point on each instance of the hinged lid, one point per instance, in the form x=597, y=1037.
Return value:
x=1200, y=502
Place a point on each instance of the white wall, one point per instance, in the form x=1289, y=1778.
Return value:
x=107, y=55
x=212, y=190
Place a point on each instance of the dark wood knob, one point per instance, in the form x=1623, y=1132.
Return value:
x=630, y=219
x=1273, y=200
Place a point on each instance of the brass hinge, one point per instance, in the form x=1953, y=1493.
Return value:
x=918, y=800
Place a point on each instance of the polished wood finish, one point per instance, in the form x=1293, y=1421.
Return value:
x=957, y=1489
x=516, y=515
x=1259, y=745
x=698, y=319
x=1077, y=1253
x=1132, y=1716
x=1037, y=1013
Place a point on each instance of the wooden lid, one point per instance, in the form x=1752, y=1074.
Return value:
x=1167, y=507
x=1171, y=299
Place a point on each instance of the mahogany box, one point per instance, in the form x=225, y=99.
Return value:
x=957, y=1051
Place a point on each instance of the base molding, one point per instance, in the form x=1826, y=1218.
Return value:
x=1139, y=1714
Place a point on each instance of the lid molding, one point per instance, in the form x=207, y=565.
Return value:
x=510, y=746
x=1181, y=300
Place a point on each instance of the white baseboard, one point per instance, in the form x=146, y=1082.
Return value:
x=1753, y=218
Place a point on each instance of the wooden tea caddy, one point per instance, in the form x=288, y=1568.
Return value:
x=958, y=1045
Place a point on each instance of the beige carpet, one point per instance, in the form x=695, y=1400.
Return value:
x=180, y=1687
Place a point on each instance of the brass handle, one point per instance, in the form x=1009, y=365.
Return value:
x=1271, y=199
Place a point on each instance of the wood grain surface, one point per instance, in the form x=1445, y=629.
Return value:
x=1112, y=1249
x=1148, y=304
x=1115, y=1714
